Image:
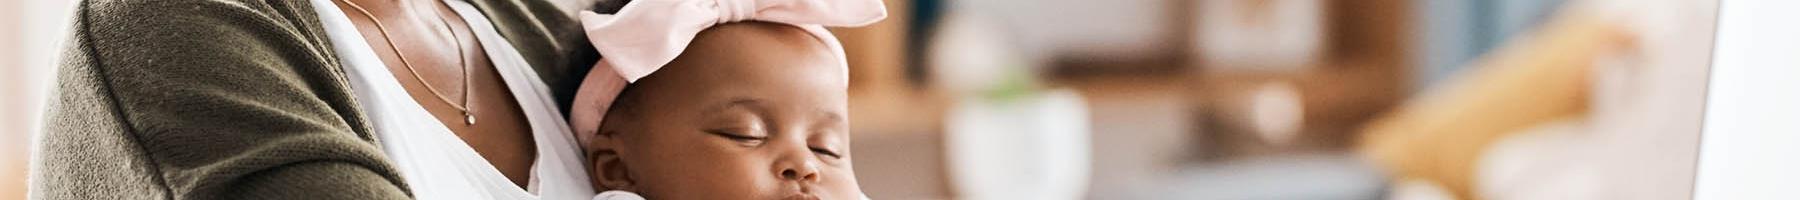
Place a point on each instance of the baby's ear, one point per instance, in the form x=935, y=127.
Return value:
x=609, y=171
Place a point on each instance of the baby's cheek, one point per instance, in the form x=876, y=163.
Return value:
x=842, y=185
x=681, y=167
x=708, y=179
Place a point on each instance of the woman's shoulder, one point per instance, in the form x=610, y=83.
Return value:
x=209, y=28
x=179, y=66
x=205, y=99
x=210, y=11
x=196, y=15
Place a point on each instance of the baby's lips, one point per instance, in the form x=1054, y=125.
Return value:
x=801, y=196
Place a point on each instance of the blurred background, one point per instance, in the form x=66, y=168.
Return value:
x=29, y=34
x=1216, y=99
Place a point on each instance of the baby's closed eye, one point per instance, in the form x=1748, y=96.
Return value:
x=744, y=136
x=827, y=152
x=750, y=138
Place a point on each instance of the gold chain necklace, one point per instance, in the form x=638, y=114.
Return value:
x=468, y=115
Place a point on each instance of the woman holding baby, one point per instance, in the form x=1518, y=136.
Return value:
x=451, y=99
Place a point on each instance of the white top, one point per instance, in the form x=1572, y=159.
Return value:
x=434, y=162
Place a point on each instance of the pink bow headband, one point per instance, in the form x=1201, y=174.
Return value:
x=647, y=34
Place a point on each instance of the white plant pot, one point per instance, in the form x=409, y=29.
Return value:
x=1032, y=147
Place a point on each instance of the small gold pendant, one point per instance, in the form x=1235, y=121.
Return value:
x=468, y=119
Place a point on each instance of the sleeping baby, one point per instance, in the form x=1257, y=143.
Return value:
x=719, y=99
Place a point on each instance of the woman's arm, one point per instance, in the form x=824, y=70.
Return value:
x=205, y=99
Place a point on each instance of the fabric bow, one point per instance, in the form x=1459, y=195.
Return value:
x=647, y=34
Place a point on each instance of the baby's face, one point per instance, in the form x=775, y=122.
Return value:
x=748, y=111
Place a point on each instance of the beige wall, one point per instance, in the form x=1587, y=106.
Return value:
x=29, y=33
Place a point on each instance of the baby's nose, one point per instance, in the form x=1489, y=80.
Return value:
x=800, y=170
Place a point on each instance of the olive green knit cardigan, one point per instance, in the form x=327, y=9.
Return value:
x=237, y=99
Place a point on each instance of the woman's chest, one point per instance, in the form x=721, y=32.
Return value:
x=438, y=61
